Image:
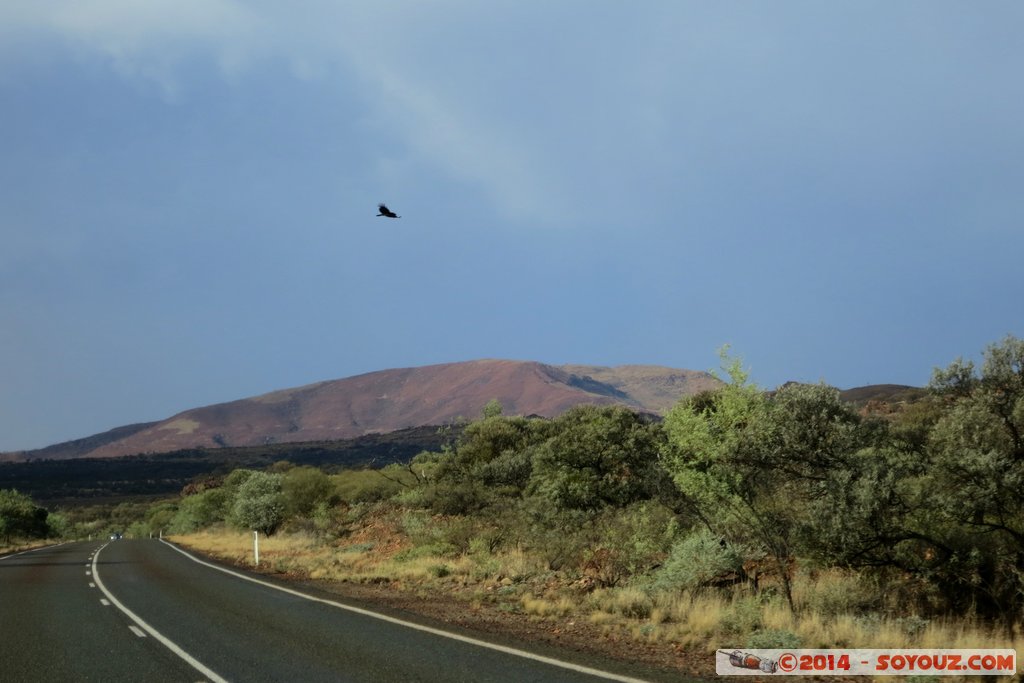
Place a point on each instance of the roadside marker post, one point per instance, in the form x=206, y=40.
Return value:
x=256, y=546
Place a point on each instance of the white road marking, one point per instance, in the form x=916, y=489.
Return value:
x=25, y=552
x=104, y=602
x=92, y=585
x=169, y=644
x=137, y=631
x=426, y=629
x=88, y=573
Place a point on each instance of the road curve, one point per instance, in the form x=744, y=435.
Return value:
x=54, y=625
x=172, y=617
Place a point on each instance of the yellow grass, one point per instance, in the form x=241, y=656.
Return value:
x=19, y=547
x=703, y=620
x=548, y=608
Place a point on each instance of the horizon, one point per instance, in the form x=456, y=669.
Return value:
x=713, y=373
x=190, y=193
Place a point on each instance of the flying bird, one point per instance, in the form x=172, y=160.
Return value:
x=385, y=211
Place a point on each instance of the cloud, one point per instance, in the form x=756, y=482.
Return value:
x=144, y=41
x=568, y=107
x=386, y=54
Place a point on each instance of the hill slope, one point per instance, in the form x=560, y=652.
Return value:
x=389, y=400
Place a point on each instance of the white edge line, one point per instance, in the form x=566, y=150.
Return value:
x=426, y=629
x=31, y=550
x=169, y=644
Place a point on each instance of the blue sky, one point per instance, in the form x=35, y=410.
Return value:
x=188, y=191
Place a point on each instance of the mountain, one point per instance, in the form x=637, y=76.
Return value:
x=78, y=447
x=389, y=400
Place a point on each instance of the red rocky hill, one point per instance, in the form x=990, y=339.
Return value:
x=389, y=400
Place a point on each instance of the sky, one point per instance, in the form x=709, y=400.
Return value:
x=188, y=191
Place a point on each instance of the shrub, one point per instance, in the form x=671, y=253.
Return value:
x=302, y=488
x=767, y=639
x=699, y=560
x=836, y=592
x=631, y=603
x=439, y=570
x=598, y=455
x=370, y=486
x=199, y=511
x=259, y=504
x=743, y=616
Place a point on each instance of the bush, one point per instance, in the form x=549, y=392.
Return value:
x=199, y=512
x=371, y=486
x=837, y=592
x=302, y=488
x=773, y=639
x=20, y=517
x=259, y=504
x=440, y=570
x=743, y=616
x=597, y=456
x=698, y=561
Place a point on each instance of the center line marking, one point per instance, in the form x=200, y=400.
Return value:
x=143, y=626
x=137, y=631
x=104, y=602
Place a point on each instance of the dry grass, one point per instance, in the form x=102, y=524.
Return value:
x=20, y=547
x=828, y=615
x=543, y=607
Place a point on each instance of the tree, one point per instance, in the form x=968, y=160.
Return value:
x=305, y=487
x=754, y=463
x=199, y=511
x=20, y=516
x=493, y=408
x=940, y=496
x=258, y=503
x=491, y=460
x=977, y=457
x=597, y=456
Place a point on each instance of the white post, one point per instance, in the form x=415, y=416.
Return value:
x=161, y=534
x=256, y=546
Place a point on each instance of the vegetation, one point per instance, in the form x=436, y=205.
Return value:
x=20, y=517
x=744, y=518
x=69, y=482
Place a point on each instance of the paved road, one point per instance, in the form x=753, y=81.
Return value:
x=145, y=611
x=53, y=626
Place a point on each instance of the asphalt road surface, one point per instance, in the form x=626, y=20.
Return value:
x=143, y=610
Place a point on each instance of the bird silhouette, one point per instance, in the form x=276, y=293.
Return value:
x=385, y=211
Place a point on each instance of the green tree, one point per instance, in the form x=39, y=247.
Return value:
x=199, y=511
x=303, y=488
x=754, y=464
x=940, y=496
x=977, y=473
x=159, y=517
x=490, y=460
x=597, y=456
x=20, y=517
x=493, y=408
x=259, y=503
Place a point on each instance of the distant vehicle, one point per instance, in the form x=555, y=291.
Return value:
x=115, y=537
